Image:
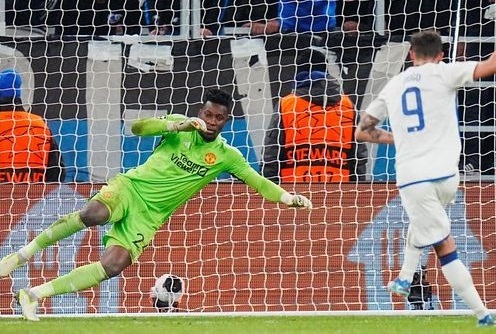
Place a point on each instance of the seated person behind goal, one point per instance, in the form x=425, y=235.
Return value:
x=318, y=17
x=156, y=17
x=259, y=17
x=310, y=139
x=28, y=152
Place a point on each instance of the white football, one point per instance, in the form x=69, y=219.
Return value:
x=167, y=291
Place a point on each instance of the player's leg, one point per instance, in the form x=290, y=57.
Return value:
x=124, y=243
x=133, y=227
x=94, y=213
x=113, y=261
x=460, y=279
x=453, y=269
x=412, y=198
x=401, y=285
x=105, y=206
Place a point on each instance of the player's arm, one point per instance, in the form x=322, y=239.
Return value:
x=486, y=67
x=172, y=123
x=268, y=189
x=368, y=131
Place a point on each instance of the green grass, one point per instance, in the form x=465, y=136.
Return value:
x=242, y=325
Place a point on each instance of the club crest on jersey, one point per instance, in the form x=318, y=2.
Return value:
x=108, y=194
x=210, y=158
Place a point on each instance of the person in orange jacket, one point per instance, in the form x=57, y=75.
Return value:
x=311, y=136
x=28, y=152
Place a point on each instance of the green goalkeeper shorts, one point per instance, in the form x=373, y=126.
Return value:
x=134, y=225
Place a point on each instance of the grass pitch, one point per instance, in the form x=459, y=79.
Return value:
x=246, y=324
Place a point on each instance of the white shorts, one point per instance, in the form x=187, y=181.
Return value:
x=425, y=205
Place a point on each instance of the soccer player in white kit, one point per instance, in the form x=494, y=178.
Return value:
x=421, y=106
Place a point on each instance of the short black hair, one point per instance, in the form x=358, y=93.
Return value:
x=309, y=60
x=218, y=96
x=426, y=44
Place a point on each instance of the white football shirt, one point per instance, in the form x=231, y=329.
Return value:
x=421, y=104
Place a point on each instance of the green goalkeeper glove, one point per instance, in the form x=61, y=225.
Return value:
x=296, y=201
x=189, y=124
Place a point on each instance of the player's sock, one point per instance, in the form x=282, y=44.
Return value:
x=410, y=263
x=78, y=279
x=460, y=280
x=62, y=228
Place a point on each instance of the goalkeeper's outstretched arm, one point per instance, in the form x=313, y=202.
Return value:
x=275, y=193
x=158, y=126
x=268, y=189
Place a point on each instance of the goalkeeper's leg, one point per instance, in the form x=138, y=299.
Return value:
x=94, y=213
x=113, y=262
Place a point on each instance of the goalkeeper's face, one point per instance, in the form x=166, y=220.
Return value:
x=215, y=116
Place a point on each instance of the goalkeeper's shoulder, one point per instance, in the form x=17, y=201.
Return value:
x=231, y=150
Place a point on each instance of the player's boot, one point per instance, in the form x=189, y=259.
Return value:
x=28, y=303
x=399, y=287
x=487, y=321
x=9, y=263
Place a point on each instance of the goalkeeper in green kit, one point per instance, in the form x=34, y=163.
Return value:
x=137, y=203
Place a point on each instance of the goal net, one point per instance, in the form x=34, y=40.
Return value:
x=234, y=250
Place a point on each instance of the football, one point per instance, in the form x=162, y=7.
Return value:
x=167, y=292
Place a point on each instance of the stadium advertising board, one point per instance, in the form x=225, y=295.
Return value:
x=237, y=252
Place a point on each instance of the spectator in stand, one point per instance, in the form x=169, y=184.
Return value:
x=260, y=16
x=342, y=27
x=28, y=152
x=356, y=15
x=130, y=16
x=311, y=137
x=165, y=17
x=319, y=17
x=125, y=17
x=308, y=16
x=265, y=17
x=117, y=17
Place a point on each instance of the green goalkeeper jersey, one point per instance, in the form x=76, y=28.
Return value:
x=183, y=163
